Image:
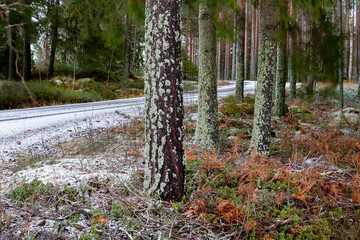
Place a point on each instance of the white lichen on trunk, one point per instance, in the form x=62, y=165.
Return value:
x=280, y=107
x=164, y=129
x=240, y=71
x=207, y=128
x=260, y=140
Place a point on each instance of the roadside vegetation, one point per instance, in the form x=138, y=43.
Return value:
x=308, y=188
x=63, y=90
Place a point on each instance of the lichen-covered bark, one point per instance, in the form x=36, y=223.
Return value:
x=260, y=140
x=292, y=78
x=164, y=112
x=207, y=128
x=280, y=107
x=127, y=51
x=240, y=71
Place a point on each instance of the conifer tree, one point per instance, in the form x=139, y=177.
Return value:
x=260, y=140
x=164, y=130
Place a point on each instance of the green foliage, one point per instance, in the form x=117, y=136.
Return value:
x=32, y=191
x=14, y=95
x=189, y=70
x=235, y=108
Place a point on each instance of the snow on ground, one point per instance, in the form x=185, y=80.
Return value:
x=25, y=131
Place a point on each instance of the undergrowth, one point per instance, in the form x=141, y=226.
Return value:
x=308, y=188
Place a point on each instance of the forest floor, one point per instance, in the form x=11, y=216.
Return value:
x=90, y=187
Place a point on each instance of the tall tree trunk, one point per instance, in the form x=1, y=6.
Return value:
x=54, y=39
x=258, y=20
x=253, y=44
x=207, y=127
x=27, y=48
x=291, y=72
x=347, y=41
x=260, y=139
x=246, y=43
x=341, y=64
x=222, y=61
x=11, y=42
x=240, y=66
x=351, y=46
x=127, y=50
x=233, y=64
x=280, y=108
x=187, y=33
x=164, y=111
x=357, y=47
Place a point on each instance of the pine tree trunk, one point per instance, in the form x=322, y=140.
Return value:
x=11, y=41
x=164, y=111
x=246, y=43
x=54, y=40
x=127, y=51
x=351, y=47
x=260, y=139
x=341, y=64
x=253, y=45
x=240, y=73
x=27, y=49
x=280, y=108
x=207, y=127
x=291, y=73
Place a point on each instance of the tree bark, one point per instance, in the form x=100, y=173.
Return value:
x=54, y=39
x=253, y=44
x=246, y=43
x=280, y=108
x=341, y=64
x=260, y=139
x=164, y=111
x=27, y=40
x=127, y=51
x=240, y=73
x=12, y=46
x=207, y=127
x=292, y=79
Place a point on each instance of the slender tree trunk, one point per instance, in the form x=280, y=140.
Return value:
x=127, y=51
x=246, y=44
x=11, y=42
x=222, y=61
x=260, y=139
x=218, y=55
x=341, y=64
x=351, y=46
x=258, y=20
x=291, y=73
x=134, y=51
x=207, y=127
x=27, y=49
x=280, y=108
x=187, y=33
x=253, y=45
x=164, y=111
x=357, y=47
x=347, y=41
x=54, y=39
x=233, y=64
x=240, y=66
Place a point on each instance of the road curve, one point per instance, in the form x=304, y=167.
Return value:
x=21, y=129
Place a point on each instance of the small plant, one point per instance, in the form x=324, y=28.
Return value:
x=33, y=191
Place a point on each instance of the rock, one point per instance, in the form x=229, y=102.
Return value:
x=346, y=117
x=301, y=113
x=83, y=80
